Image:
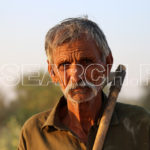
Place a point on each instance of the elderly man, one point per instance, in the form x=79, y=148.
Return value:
x=79, y=59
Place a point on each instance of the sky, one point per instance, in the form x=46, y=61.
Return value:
x=24, y=24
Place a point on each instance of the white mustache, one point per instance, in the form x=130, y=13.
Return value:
x=73, y=86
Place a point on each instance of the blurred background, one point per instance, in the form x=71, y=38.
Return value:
x=25, y=86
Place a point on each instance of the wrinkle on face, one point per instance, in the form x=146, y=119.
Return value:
x=82, y=52
x=77, y=50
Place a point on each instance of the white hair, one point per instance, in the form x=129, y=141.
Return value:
x=71, y=29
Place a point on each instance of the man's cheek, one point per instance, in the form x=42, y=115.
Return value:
x=96, y=75
x=63, y=81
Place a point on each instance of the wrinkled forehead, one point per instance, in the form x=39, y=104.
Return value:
x=78, y=49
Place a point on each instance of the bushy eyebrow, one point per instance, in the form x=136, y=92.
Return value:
x=63, y=61
x=81, y=59
x=87, y=58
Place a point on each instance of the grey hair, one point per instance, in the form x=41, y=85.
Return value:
x=71, y=29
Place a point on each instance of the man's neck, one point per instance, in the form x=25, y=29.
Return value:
x=81, y=116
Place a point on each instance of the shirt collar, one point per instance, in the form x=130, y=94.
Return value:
x=54, y=121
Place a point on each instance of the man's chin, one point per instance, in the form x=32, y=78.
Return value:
x=80, y=98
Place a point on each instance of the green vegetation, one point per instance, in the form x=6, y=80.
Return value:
x=31, y=99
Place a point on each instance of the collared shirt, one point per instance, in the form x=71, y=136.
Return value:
x=129, y=130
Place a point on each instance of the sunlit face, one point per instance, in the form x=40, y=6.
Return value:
x=79, y=69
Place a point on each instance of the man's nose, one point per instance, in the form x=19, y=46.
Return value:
x=77, y=72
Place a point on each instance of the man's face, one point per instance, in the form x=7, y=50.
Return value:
x=79, y=69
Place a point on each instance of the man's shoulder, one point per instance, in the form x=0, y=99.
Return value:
x=36, y=121
x=133, y=113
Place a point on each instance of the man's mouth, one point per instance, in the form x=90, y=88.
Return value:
x=79, y=90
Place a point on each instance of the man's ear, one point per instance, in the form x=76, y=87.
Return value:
x=109, y=62
x=51, y=72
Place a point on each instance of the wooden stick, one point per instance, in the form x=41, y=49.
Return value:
x=108, y=111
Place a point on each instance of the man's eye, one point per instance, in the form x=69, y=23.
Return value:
x=64, y=64
x=86, y=61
